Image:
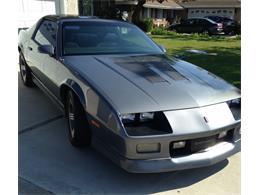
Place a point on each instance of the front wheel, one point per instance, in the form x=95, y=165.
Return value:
x=25, y=72
x=79, y=132
x=206, y=32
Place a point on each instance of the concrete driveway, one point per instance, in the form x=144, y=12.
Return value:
x=49, y=164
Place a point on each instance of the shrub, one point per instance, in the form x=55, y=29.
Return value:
x=146, y=24
x=199, y=36
x=162, y=31
x=195, y=36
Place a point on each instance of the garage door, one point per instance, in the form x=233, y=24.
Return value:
x=29, y=11
x=226, y=12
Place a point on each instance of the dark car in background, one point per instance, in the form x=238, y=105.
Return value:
x=230, y=27
x=197, y=25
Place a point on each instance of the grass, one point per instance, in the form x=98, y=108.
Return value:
x=224, y=61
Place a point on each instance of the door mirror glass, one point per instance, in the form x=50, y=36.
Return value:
x=46, y=49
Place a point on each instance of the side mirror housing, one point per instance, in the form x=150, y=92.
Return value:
x=162, y=48
x=47, y=49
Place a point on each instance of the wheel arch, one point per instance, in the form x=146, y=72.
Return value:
x=75, y=87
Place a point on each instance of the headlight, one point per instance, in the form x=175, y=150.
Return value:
x=145, y=124
x=146, y=116
x=138, y=117
x=234, y=102
x=128, y=117
x=235, y=108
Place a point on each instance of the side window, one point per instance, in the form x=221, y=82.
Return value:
x=185, y=21
x=191, y=21
x=203, y=22
x=46, y=33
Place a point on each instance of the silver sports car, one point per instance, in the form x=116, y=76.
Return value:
x=122, y=94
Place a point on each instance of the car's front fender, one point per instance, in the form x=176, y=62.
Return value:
x=75, y=87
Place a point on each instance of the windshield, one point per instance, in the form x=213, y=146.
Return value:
x=98, y=37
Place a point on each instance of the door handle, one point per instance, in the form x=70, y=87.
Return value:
x=30, y=48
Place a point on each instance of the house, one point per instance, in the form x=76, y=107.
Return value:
x=171, y=11
x=201, y=8
x=29, y=11
x=161, y=13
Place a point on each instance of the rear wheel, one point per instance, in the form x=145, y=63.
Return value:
x=231, y=32
x=79, y=132
x=174, y=30
x=25, y=72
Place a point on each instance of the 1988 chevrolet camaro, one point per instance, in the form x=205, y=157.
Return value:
x=122, y=94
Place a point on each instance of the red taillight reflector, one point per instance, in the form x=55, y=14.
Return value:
x=220, y=25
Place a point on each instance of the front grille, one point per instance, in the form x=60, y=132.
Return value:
x=199, y=144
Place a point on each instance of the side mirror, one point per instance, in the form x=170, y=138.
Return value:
x=162, y=48
x=47, y=49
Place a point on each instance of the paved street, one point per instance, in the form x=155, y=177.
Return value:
x=49, y=164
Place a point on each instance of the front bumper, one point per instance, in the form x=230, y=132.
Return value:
x=208, y=157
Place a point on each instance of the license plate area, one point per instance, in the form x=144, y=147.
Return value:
x=203, y=143
x=198, y=145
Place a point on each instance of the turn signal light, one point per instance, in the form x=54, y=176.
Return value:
x=148, y=148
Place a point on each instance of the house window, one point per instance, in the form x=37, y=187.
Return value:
x=148, y=12
x=159, y=13
x=164, y=13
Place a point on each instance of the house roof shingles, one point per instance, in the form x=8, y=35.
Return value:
x=169, y=4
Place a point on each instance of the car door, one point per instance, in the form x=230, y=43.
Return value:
x=191, y=26
x=200, y=25
x=185, y=26
x=44, y=66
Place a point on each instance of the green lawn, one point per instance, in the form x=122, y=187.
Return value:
x=225, y=58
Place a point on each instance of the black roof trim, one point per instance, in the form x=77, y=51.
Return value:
x=56, y=18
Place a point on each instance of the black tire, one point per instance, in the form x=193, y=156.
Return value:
x=78, y=127
x=231, y=33
x=25, y=72
x=174, y=30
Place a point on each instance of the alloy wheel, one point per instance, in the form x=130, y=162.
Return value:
x=23, y=69
x=71, y=116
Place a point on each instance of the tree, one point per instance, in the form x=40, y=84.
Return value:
x=109, y=10
x=137, y=10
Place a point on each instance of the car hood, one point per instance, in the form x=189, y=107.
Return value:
x=146, y=83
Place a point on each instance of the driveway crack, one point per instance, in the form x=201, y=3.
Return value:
x=27, y=187
x=40, y=124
